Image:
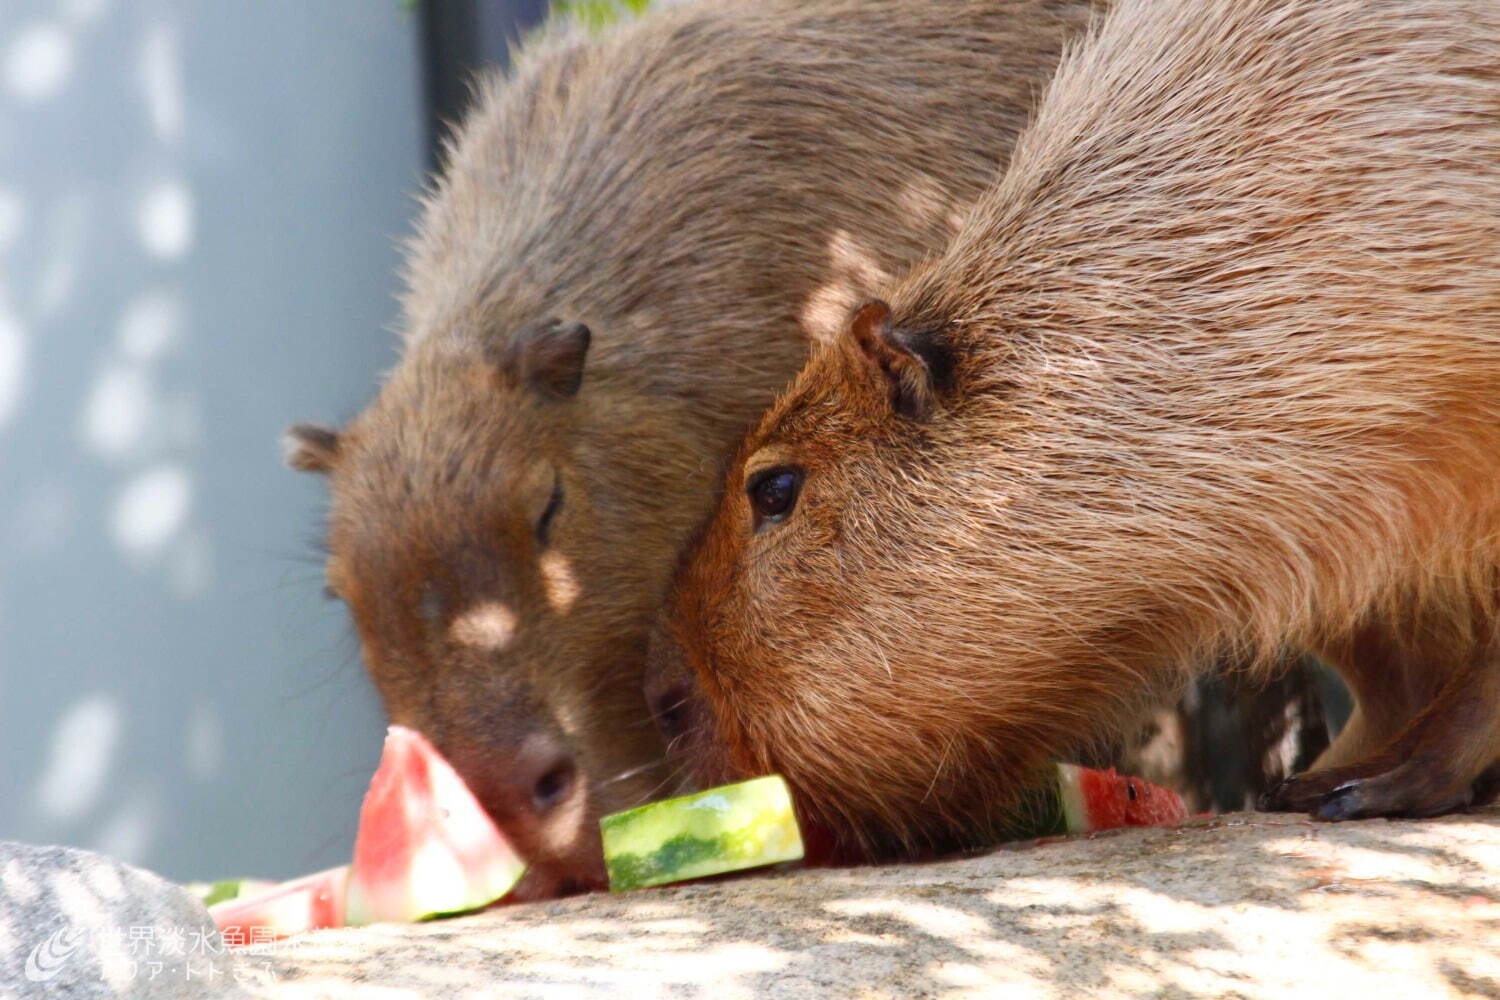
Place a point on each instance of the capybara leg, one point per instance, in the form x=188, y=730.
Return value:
x=1445, y=758
x=1303, y=792
x=1487, y=786
x=1379, y=670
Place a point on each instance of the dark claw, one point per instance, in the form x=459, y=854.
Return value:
x=1289, y=795
x=1340, y=804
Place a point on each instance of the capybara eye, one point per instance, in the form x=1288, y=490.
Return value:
x=773, y=494
x=544, y=523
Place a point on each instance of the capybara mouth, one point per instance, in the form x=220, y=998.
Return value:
x=554, y=879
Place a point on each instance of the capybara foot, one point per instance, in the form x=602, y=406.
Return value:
x=1416, y=788
x=1304, y=792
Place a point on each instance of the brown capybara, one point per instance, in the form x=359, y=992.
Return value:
x=635, y=238
x=1214, y=369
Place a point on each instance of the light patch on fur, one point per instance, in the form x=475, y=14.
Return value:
x=923, y=202
x=490, y=626
x=856, y=273
x=565, y=825
x=560, y=581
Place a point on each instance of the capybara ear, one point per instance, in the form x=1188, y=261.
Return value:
x=310, y=447
x=549, y=355
x=910, y=378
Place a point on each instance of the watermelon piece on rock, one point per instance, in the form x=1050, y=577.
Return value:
x=278, y=910
x=1089, y=800
x=426, y=847
x=724, y=829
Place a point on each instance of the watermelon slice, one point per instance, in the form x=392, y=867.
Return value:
x=425, y=846
x=227, y=888
x=1090, y=800
x=284, y=909
x=724, y=829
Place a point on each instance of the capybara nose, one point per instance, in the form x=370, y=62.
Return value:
x=531, y=786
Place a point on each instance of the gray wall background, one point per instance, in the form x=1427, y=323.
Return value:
x=199, y=203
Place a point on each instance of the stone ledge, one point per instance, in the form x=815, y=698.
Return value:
x=1244, y=905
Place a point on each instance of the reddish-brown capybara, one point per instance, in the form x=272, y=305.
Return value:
x=1214, y=369
x=633, y=242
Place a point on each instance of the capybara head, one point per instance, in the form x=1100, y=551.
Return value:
x=633, y=242
x=827, y=625
x=477, y=546
x=1209, y=371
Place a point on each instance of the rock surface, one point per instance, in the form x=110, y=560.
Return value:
x=1237, y=906
x=78, y=924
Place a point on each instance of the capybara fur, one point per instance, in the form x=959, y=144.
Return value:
x=1212, y=371
x=633, y=243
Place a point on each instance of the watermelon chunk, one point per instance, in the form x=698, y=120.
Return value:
x=1092, y=800
x=227, y=888
x=281, y=910
x=425, y=846
x=724, y=829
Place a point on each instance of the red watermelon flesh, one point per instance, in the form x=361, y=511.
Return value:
x=1103, y=800
x=425, y=847
x=288, y=908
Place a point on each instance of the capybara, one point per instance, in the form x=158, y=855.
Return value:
x=633, y=243
x=1213, y=370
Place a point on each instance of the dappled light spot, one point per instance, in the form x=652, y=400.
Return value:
x=104, y=881
x=165, y=219
x=856, y=276
x=161, y=80
x=151, y=509
x=559, y=581
x=925, y=205
x=38, y=62
x=12, y=365
x=827, y=308
x=565, y=825
x=74, y=900
x=118, y=412
x=967, y=931
x=488, y=627
x=205, y=742
x=150, y=325
x=129, y=833
x=18, y=884
x=80, y=757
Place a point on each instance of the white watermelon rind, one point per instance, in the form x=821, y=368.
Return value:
x=1075, y=812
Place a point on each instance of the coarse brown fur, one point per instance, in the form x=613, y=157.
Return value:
x=705, y=191
x=1213, y=370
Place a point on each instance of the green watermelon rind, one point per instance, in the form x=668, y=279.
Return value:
x=224, y=889
x=726, y=829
